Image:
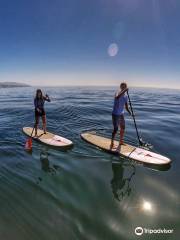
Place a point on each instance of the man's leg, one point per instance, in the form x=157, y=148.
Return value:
x=115, y=126
x=121, y=136
x=122, y=129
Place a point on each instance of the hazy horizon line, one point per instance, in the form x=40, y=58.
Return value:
x=89, y=85
x=130, y=86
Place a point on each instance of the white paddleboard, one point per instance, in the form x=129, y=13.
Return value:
x=126, y=150
x=48, y=138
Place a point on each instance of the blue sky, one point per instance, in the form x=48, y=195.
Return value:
x=97, y=42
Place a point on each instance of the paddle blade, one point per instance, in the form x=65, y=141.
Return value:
x=28, y=145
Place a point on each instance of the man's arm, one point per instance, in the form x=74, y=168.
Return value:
x=127, y=109
x=119, y=94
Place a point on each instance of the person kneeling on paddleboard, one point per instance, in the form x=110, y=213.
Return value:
x=120, y=101
x=39, y=109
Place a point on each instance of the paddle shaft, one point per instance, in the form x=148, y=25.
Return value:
x=32, y=131
x=134, y=119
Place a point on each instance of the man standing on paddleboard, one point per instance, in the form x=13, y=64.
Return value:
x=39, y=109
x=120, y=102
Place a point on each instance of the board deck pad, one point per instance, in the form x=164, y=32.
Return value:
x=48, y=138
x=126, y=150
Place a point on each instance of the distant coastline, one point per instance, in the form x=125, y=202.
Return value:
x=12, y=85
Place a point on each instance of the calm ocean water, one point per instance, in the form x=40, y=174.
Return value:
x=85, y=193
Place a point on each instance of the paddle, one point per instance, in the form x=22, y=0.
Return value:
x=28, y=145
x=139, y=139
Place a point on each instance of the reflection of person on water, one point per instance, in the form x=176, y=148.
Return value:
x=121, y=185
x=45, y=163
x=39, y=109
x=120, y=101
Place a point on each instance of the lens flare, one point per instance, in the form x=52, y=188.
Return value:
x=119, y=31
x=113, y=49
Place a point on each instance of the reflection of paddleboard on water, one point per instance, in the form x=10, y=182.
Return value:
x=135, y=153
x=49, y=139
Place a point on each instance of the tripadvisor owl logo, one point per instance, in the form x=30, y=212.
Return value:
x=139, y=231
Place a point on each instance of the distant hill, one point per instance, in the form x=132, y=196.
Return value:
x=12, y=85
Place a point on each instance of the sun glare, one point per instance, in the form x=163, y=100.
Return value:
x=147, y=206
